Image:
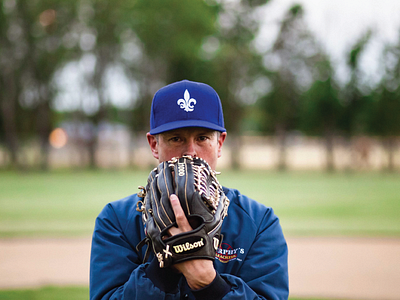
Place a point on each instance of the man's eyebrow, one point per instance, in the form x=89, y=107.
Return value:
x=169, y=133
x=207, y=132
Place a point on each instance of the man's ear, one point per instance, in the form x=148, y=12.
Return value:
x=152, y=140
x=221, y=140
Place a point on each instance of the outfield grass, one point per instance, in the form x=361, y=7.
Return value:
x=46, y=293
x=328, y=204
x=61, y=293
x=67, y=203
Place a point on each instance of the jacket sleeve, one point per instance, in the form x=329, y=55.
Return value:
x=264, y=272
x=116, y=271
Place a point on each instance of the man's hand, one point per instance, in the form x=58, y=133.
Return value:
x=198, y=272
x=182, y=222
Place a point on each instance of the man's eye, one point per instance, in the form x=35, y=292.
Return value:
x=175, y=139
x=203, y=138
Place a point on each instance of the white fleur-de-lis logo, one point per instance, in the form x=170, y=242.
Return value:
x=187, y=103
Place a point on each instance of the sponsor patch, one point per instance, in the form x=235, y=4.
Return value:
x=227, y=253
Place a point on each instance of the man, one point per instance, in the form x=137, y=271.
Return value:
x=187, y=119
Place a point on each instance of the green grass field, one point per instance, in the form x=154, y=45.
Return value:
x=59, y=293
x=46, y=293
x=36, y=204
x=63, y=203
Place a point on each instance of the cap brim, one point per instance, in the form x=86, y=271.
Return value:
x=184, y=124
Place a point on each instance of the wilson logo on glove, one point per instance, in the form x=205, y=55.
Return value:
x=192, y=245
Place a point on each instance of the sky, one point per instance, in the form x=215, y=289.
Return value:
x=338, y=25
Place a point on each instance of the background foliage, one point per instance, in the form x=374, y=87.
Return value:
x=141, y=46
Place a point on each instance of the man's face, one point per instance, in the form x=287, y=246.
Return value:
x=194, y=141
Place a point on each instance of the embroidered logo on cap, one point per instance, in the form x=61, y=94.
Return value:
x=187, y=103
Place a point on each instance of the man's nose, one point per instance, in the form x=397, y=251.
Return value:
x=190, y=149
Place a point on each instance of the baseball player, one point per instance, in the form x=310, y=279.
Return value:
x=248, y=259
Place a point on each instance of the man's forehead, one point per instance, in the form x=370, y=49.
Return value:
x=189, y=130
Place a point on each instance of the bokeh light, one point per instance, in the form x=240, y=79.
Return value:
x=47, y=17
x=58, y=138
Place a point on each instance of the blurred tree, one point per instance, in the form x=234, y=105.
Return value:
x=32, y=50
x=101, y=37
x=293, y=56
x=320, y=108
x=355, y=102
x=172, y=33
x=9, y=61
x=355, y=97
x=385, y=111
x=385, y=121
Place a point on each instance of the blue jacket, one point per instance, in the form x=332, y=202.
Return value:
x=251, y=263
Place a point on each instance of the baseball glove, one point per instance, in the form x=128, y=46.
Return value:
x=203, y=201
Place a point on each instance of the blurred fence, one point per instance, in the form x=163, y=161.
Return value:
x=119, y=149
x=305, y=153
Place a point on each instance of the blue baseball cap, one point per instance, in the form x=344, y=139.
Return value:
x=186, y=104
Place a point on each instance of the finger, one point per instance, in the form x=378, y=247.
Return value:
x=180, y=217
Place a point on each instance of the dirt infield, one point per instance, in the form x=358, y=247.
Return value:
x=352, y=268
